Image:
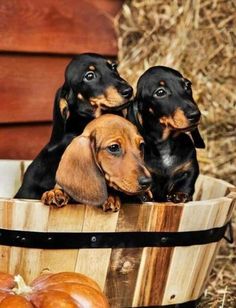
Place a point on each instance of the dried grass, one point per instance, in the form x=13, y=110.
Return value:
x=198, y=38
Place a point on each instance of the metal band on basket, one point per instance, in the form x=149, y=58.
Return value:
x=78, y=240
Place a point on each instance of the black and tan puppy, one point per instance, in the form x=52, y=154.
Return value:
x=164, y=110
x=106, y=159
x=92, y=86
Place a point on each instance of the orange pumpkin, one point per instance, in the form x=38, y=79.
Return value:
x=61, y=290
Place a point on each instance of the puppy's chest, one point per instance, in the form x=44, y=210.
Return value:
x=162, y=164
x=167, y=160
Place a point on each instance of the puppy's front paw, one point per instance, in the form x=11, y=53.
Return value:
x=146, y=196
x=56, y=197
x=112, y=204
x=179, y=197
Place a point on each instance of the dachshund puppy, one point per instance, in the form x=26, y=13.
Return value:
x=92, y=86
x=104, y=160
x=164, y=110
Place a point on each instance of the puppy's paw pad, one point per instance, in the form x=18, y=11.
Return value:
x=112, y=204
x=55, y=197
x=179, y=197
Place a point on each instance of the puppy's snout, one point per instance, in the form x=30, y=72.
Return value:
x=194, y=116
x=127, y=92
x=144, y=181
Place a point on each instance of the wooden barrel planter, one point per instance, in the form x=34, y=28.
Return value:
x=155, y=254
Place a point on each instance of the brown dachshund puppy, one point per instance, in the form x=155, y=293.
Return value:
x=108, y=155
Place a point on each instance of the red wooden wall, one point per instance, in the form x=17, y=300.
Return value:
x=37, y=40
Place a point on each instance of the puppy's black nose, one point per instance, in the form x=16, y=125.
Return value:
x=127, y=92
x=145, y=181
x=194, y=116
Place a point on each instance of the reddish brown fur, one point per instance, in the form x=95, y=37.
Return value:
x=87, y=166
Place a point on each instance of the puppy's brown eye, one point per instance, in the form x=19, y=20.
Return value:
x=114, y=149
x=90, y=75
x=160, y=92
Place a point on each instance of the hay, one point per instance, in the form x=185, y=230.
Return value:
x=198, y=38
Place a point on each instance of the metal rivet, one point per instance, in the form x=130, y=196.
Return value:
x=164, y=239
x=23, y=238
x=49, y=238
x=17, y=237
x=93, y=239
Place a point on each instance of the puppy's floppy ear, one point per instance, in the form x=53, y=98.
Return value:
x=61, y=101
x=79, y=175
x=60, y=114
x=197, y=139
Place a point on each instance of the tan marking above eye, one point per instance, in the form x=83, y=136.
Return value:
x=92, y=68
x=162, y=83
x=109, y=62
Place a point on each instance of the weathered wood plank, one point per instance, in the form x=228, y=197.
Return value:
x=23, y=141
x=208, y=188
x=27, y=216
x=155, y=261
x=11, y=174
x=94, y=262
x=124, y=263
x=189, y=265
x=54, y=260
x=5, y=223
x=28, y=85
x=58, y=26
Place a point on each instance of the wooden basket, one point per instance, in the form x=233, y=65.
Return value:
x=145, y=255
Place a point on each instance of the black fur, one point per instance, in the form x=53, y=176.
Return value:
x=170, y=153
x=70, y=122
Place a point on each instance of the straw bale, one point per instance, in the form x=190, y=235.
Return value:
x=198, y=38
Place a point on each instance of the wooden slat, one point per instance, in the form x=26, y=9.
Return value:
x=11, y=174
x=5, y=223
x=54, y=260
x=28, y=85
x=209, y=188
x=23, y=141
x=61, y=26
x=124, y=263
x=95, y=263
x=25, y=217
x=155, y=261
x=189, y=265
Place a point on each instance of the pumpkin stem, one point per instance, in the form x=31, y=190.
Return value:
x=22, y=287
